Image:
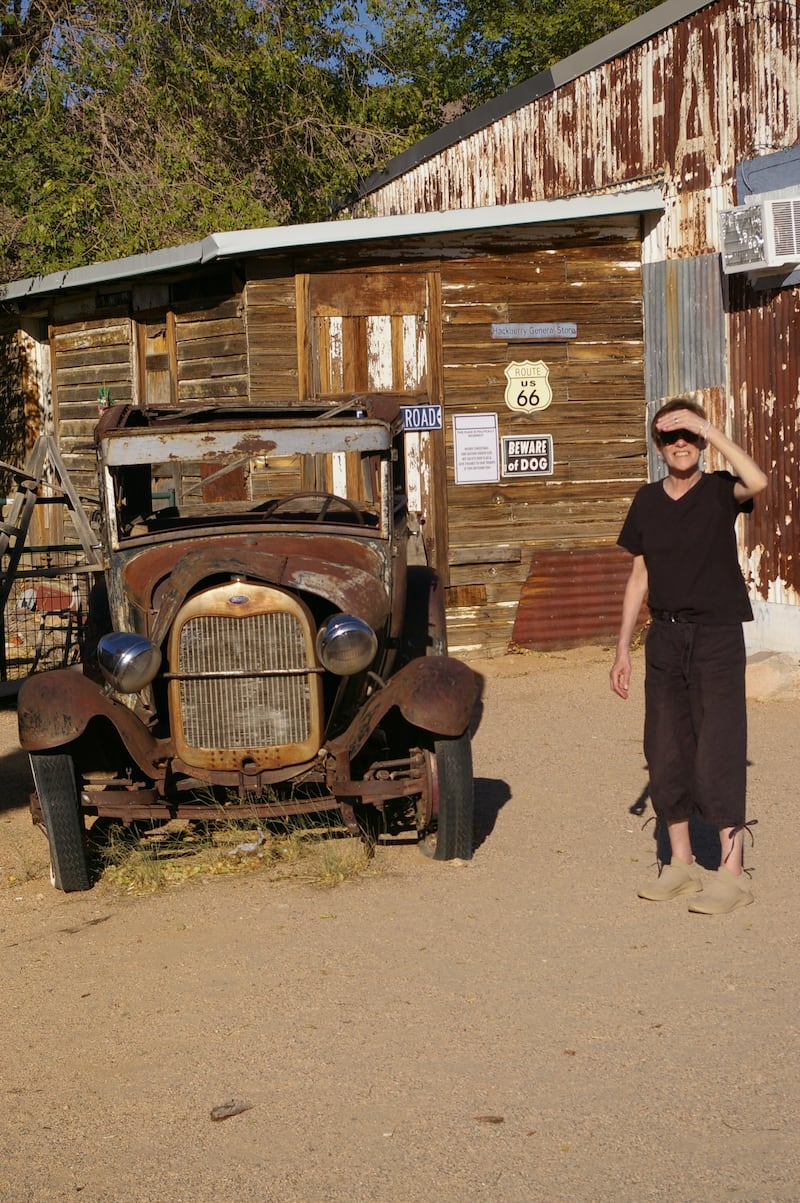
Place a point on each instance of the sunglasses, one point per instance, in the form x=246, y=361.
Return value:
x=667, y=437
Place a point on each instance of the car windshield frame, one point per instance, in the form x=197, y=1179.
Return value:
x=271, y=461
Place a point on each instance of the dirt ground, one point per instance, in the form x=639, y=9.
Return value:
x=519, y=1029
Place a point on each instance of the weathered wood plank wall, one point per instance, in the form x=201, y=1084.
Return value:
x=211, y=348
x=88, y=355
x=411, y=316
x=272, y=330
x=590, y=277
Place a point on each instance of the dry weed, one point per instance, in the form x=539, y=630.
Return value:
x=23, y=864
x=142, y=862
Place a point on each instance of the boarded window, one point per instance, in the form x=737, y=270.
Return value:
x=157, y=361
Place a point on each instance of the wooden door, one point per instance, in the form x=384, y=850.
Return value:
x=378, y=331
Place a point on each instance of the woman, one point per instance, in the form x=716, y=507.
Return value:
x=680, y=532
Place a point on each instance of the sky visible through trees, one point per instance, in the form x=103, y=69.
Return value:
x=130, y=127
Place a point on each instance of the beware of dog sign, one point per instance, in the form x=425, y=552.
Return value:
x=528, y=457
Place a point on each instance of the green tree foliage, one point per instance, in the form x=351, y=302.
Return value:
x=126, y=127
x=520, y=41
x=470, y=51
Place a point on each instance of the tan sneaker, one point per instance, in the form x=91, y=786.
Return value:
x=724, y=892
x=675, y=879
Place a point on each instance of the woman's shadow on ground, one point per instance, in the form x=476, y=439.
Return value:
x=704, y=837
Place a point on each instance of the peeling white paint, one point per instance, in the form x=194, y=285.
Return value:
x=379, y=353
x=414, y=472
x=339, y=473
x=775, y=628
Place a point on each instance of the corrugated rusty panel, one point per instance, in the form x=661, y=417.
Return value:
x=765, y=386
x=683, y=107
x=684, y=326
x=572, y=597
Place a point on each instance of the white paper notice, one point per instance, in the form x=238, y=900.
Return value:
x=475, y=448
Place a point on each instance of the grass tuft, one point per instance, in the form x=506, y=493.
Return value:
x=22, y=864
x=138, y=862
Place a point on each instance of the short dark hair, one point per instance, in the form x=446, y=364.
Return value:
x=672, y=404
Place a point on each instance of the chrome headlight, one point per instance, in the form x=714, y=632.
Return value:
x=128, y=662
x=346, y=645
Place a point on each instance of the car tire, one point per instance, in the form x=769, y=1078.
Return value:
x=455, y=785
x=57, y=789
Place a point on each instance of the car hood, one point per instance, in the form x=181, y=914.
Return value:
x=349, y=573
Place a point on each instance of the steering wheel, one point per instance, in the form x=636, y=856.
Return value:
x=326, y=499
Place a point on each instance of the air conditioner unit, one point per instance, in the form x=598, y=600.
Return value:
x=762, y=236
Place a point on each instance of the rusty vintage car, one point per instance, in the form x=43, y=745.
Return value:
x=261, y=644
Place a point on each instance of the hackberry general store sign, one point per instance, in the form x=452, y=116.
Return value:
x=533, y=331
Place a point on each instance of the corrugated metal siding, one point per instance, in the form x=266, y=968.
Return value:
x=765, y=384
x=572, y=597
x=684, y=317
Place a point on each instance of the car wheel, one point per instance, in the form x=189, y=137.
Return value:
x=57, y=789
x=454, y=794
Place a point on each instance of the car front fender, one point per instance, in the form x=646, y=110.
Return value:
x=435, y=693
x=55, y=708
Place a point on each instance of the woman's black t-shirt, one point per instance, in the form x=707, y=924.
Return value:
x=689, y=547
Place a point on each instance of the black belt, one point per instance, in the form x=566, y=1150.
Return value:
x=671, y=615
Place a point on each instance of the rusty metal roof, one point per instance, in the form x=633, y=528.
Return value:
x=563, y=72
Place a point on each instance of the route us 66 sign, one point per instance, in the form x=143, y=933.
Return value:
x=528, y=389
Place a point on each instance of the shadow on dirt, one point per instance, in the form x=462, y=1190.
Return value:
x=704, y=836
x=491, y=796
x=477, y=713
x=15, y=773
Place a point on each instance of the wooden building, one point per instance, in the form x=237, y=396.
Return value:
x=702, y=102
x=533, y=277
x=502, y=463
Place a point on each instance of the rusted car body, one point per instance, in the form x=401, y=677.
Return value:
x=261, y=642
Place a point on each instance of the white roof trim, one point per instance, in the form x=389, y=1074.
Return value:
x=280, y=238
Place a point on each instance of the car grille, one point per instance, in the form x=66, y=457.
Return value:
x=251, y=710
x=244, y=684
